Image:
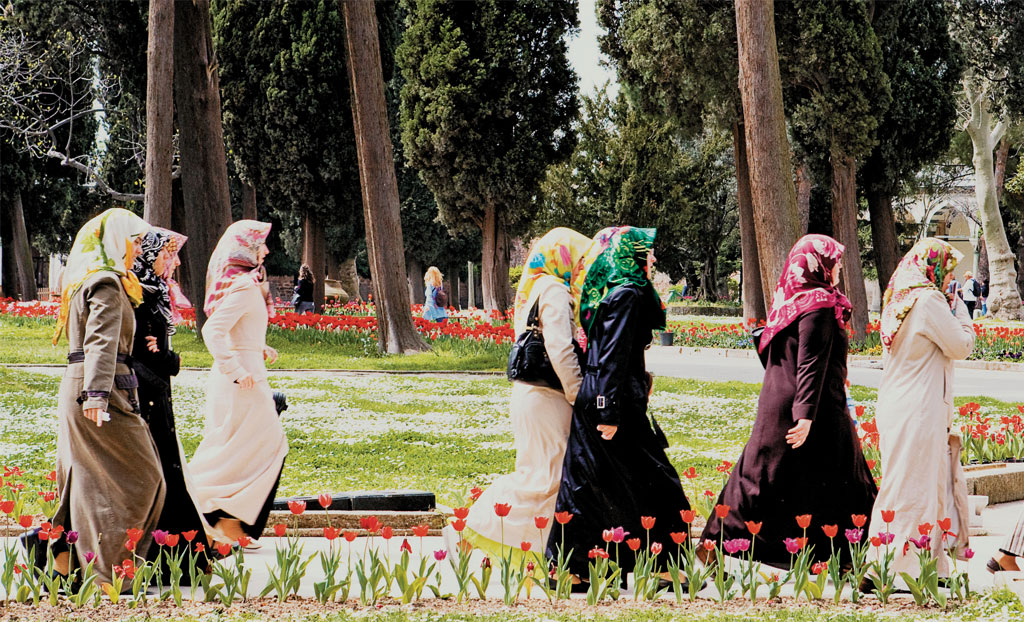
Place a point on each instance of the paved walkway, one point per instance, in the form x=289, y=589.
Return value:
x=709, y=365
x=998, y=521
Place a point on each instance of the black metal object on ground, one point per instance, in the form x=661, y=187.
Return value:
x=370, y=501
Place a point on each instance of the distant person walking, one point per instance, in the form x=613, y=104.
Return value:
x=303, y=298
x=971, y=292
x=435, y=305
x=984, y=298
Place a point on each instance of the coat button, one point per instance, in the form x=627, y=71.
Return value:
x=151, y=403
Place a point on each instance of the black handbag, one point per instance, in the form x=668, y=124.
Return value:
x=528, y=361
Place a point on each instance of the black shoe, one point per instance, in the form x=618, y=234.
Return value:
x=35, y=549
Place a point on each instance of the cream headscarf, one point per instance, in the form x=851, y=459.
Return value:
x=922, y=269
x=102, y=245
x=236, y=258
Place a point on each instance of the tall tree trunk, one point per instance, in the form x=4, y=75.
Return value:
x=455, y=277
x=416, y=286
x=883, y=234
x=771, y=170
x=349, y=279
x=19, y=273
x=985, y=132
x=159, y=112
x=204, y=171
x=1002, y=153
x=803, y=195
x=983, y=274
x=844, y=225
x=494, y=285
x=314, y=255
x=753, y=292
x=396, y=332
x=248, y=201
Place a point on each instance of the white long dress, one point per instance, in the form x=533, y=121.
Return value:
x=540, y=427
x=922, y=480
x=240, y=457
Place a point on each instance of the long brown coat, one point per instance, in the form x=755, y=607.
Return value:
x=109, y=477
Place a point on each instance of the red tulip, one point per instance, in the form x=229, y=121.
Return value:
x=541, y=521
x=420, y=531
x=244, y=541
x=830, y=530
x=678, y=537
x=804, y=521
x=223, y=548
x=135, y=535
x=725, y=467
x=633, y=544
x=25, y=521
x=475, y=493
x=51, y=476
x=7, y=507
x=945, y=524
x=200, y=547
x=563, y=517
x=925, y=528
x=525, y=546
x=502, y=509
x=801, y=542
x=370, y=523
x=387, y=532
x=349, y=535
x=871, y=464
x=688, y=516
x=721, y=510
x=280, y=530
x=297, y=507
x=859, y=520
x=461, y=512
x=325, y=500
x=647, y=522
x=331, y=533
x=607, y=535
x=656, y=548
x=690, y=473
x=458, y=524
x=189, y=535
x=753, y=528
x=406, y=547
x=709, y=545
x=172, y=539
x=888, y=515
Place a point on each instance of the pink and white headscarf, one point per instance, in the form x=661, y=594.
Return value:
x=806, y=285
x=235, y=259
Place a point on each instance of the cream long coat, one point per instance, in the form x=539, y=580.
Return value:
x=243, y=448
x=540, y=428
x=922, y=480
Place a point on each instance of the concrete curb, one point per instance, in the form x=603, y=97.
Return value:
x=1001, y=482
x=394, y=372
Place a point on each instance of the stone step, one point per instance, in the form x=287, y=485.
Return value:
x=312, y=522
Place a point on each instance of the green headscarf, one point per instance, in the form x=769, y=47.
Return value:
x=617, y=256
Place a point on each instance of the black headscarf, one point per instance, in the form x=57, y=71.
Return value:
x=156, y=296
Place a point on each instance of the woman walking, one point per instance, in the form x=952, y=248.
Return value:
x=108, y=471
x=615, y=470
x=435, y=305
x=803, y=457
x=155, y=362
x=923, y=331
x=540, y=413
x=303, y=297
x=238, y=464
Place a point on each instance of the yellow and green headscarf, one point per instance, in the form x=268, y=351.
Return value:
x=921, y=270
x=558, y=253
x=617, y=256
x=102, y=245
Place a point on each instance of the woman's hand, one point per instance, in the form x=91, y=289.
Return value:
x=797, y=435
x=151, y=344
x=246, y=381
x=269, y=355
x=93, y=414
x=607, y=431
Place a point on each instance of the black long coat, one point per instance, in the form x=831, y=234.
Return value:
x=607, y=484
x=154, y=371
x=827, y=477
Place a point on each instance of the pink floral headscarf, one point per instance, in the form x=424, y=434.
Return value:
x=806, y=285
x=236, y=258
x=178, y=299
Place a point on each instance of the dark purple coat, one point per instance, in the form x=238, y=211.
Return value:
x=827, y=477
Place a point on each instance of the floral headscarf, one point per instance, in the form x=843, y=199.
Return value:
x=806, y=284
x=102, y=245
x=236, y=258
x=157, y=297
x=921, y=270
x=558, y=253
x=617, y=256
x=178, y=299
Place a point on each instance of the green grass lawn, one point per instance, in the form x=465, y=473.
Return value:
x=443, y=434
x=28, y=341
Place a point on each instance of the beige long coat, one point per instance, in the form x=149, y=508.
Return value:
x=540, y=427
x=110, y=479
x=922, y=480
x=242, y=452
